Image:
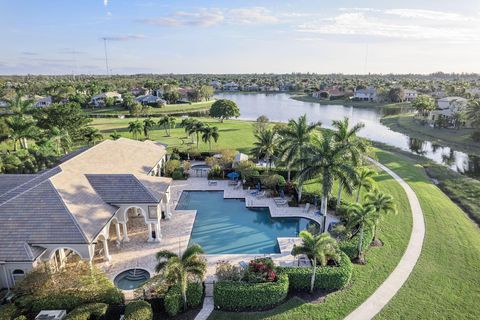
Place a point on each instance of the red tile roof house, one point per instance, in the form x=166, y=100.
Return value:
x=75, y=207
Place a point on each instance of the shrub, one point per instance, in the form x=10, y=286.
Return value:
x=178, y=174
x=327, y=278
x=350, y=246
x=171, y=166
x=260, y=270
x=8, y=312
x=235, y=295
x=138, y=310
x=215, y=172
x=92, y=311
x=476, y=136
x=226, y=271
x=174, y=302
x=22, y=317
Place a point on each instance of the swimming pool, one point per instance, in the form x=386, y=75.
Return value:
x=226, y=226
x=200, y=166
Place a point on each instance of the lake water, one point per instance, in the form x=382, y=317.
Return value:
x=280, y=107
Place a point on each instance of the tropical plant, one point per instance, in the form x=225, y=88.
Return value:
x=148, y=124
x=196, y=127
x=364, y=179
x=135, y=128
x=319, y=249
x=180, y=269
x=473, y=112
x=361, y=217
x=209, y=133
x=61, y=139
x=383, y=204
x=167, y=122
x=92, y=135
x=294, y=139
x=20, y=105
x=115, y=135
x=423, y=103
x=326, y=158
x=265, y=146
x=20, y=129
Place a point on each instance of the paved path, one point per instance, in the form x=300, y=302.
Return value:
x=379, y=299
x=207, y=301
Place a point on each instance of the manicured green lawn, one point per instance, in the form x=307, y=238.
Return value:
x=395, y=232
x=446, y=280
x=171, y=108
x=457, y=139
x=356, y=104
x=233, y=134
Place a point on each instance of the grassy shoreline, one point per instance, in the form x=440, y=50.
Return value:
x=456, y=139
x=355, y=104
x=170, y=109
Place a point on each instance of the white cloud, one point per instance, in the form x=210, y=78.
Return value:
x=125, y=37
x=105, y=3
x=427, y=14
x=254, y=15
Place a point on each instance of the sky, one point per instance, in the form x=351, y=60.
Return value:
x=146, y=36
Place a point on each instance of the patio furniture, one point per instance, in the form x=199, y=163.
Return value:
x=307, y=208
x=243, y=264
x=238, y=185
x=281, y=202
x=232, y=183
x=260, y=194
x=212, y=182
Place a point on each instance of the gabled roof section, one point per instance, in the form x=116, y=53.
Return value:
x=34, y=217
x=120, y=188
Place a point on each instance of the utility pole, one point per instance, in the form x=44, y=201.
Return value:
x=106, y=55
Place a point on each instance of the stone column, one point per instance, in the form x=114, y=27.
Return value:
x=105, y=250
x=125, y=233
x=158, y=232
x=61, y=257
x=150, y=238
x=117, y=229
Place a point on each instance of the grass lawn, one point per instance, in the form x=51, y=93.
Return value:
x=356, y=104
x=233, y=134
x=168, y=109
x=456, y=139
x=395, y=232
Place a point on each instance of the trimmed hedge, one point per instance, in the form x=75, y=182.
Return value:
x=236, y=295
x=138, y=310
x=8, y=312
x=91, y=311
x=174, y=302
x=327, y=278
x=350, y=246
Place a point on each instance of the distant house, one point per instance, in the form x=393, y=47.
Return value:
x=151, y=99
x=446, y=108
x=42, y=102
x=138, y=91
x=230, y=86
x=410, y=95
x=369, y=94
x=99, y=99
x=474, y=92
x=332, y=93
x=251, y=87
x=3, y=104
x=216, y=84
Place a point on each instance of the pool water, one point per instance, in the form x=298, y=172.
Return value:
x=226, y=226
x=131, y=279
x=200, y=166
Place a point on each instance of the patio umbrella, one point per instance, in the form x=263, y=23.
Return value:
x=233, y=175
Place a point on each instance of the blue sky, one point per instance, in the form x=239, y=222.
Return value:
x=146, y=36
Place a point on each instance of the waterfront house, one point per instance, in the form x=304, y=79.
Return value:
x=446, y=108
x=410, y=95
x=368, y=94
x=99, y=100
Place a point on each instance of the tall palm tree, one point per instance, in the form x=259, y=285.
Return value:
x=294, y=138
x=61, y=139
x=473, y=112
x=265, y=146
x=364, y=179
x=361, y=216
x=326, y=158
x=115, y=135
x=348, y=137
x=320, y=248
x=92, y=135
x=383, y=204
x=167, y=122
x=179, y=269
x=21, y=128
x=148, y=124
x=208, y=134
x=19, y=105
x=186, y=124
x=135, y=128
x=196, y=127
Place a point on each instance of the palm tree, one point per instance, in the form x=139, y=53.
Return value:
x=19, y=105
x=320, y=248
x=355, y=146
x=148, y=124
x=364, y=180
x=186, y=124
x=115, y=135
x=326, y=158
x=196, y=127
x=294, y=139
x=361, y=216
x=61, y=139
x=167, y=122
x=179, y=269
x=383, y=204
x=92, y=135
x=473, y=112
x=21, y=128
x=266, y=146
x=135, y=128
x=208, y=134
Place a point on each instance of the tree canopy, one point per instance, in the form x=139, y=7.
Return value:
x=224, y=109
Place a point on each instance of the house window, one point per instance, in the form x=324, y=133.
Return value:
x=18, y=275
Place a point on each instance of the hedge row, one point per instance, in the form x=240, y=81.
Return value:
x=350, y=247
x=138, y=310
x=174, y=302
x=235, y=295
x=8, y=312
x=327, y=278
x=91, y=311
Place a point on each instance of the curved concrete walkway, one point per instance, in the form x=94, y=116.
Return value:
x=379, y=299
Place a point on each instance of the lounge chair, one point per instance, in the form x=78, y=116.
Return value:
x=212, y=182
x=238, y=185
x=260, y=194
x=281, y=202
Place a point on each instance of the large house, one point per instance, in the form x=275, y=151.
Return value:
x=446, y=108
x=100, y=99
x=42, y=102
x=410, y=95
x=151, y=99
x=75, y=207
x=230, y=86
x=368, y=94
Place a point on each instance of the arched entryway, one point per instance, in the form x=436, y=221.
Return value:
x=17, y=275
x=62, y=257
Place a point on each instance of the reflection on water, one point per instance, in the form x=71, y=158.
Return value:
x=279, y=107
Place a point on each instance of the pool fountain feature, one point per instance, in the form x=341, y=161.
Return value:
x=131, y=279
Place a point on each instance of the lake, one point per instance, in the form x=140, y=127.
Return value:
x=280, y=107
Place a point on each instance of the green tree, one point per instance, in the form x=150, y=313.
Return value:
x=171, y=96
x=61, y=139
x=167, y=122
x=266, y=146
x=361, y=217
x=209, y=133
x=206, y=92
x=180, y=269
x=396, y=94
x=115, y=135
x=224, y=109
x=383, y=204
x=135, y=109
x=472, y=112
x=20, y=129
x=423, y=103
x=319, y=249
x=148, y=124
x=20, y=105
x=364, y=179
x=92, y=135
x=196, y=127
x=327, y=159
x=135, y=128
